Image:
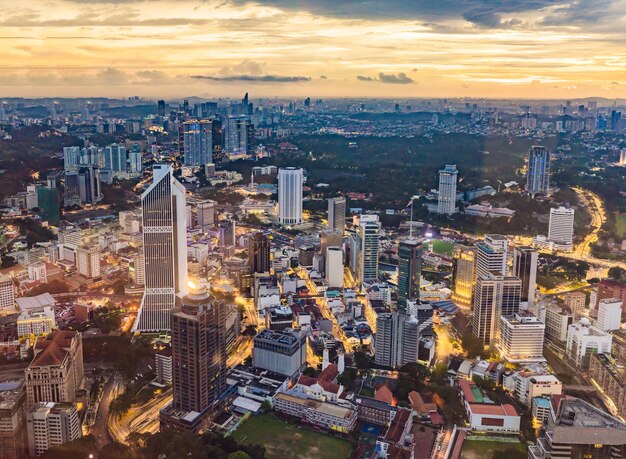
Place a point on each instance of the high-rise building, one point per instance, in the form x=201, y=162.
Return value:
x=463, y=275
x=227, y=233
x=290, y=181
x=89, y=185
x=161, y=108
x=521, y=338
x=584, y=340
x=198, y=351
x=396, y=342
x=495, y=295
x=409, y=270
x=337, y=214
x=56, y=372
x=609, y=314
x=446, y=203
x=48, y=202
x=71, y=158
x=525, y=261
x=538, y=174
x=369, y=246
x=198, y=142
x=259, y=253
x=13, y=420
x=88, y=261
x=280, y=351
x=165, y=249
x=135, y=161
x=51, y=424
x=576, y=302
x=238, y=136
x=334, y=267
x=492, y=255
x=205, y=214
x=622, y=157
x=116, y=158
x=7, y=293
x=608, y=288
x=561, y=227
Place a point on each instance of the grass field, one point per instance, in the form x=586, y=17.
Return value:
x=442, y=247
x=620, y=225
x=474, y=449
x=286, y=441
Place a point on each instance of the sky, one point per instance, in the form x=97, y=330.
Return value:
x=316, y=48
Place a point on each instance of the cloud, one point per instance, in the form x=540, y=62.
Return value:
x=254, y=78
x=323, y=77
x=246, y=67
x=389, y=78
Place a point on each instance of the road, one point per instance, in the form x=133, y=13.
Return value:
x=141, y=419
x=99, y=429
x=241, y=351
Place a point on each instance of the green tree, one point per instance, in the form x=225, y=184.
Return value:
x=239, y=455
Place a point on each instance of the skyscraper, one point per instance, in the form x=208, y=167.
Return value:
x=367, y=233
x=89, y=185
x=165, y=249
x=238, y=136
x=161, y=108
x=561, y=226
x=259, y=253
x=337, y=214
x=538, y=174
x=198, y=142
x=135, y=160
x=290, y=181
x=116, y=158
x=205, y=214
x=396, y=342
x=492, y=255
x=227, y=233
x=409, y=270
x=525, y=268
x=446, y=203
x=463, y=275
x=495, y=295
x=198, y=351
x=71, y=158
x=334, y=267
x=48, y=202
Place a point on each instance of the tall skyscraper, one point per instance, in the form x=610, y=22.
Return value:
x=259, y=253
x=165, y=249
x=290, y=181
x=161, y=108
x=446, y=203
x=116, y=158
x=337, y=214
x=198, y=142
x=334, y=267
x=525, y=261
x=89, y=185
x=227, y=233
x=492, y=255
x=135, y=166
x=198, y=351
x=409, y=271
x=238, y=136
x=538, y=174
x=369, y=246
x=495, y=295
x=463, y=275
x=396, y=342
x=71, y=158
x=48, y=202
x=561, y=226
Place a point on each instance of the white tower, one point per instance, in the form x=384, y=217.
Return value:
x=163, y=207
x=447, y=190
x=290, y=182
x=561, y=228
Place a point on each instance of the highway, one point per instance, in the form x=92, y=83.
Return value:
x=141, y=419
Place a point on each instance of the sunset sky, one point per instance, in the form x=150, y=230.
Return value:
x=317, y=48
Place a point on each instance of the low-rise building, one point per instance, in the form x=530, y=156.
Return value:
x=280, y=351
x=610, y=376
x=521, y=338
x=51, y=424
x=12, y=420
x=163, y=366
x=329, y=416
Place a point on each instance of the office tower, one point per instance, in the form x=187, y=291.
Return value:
x=227, y=233
x=71, y=158
x=51, y=424
x=337, y=214
x=12, y=420
x=609, y=314
x=198, y=142
x=238, y=136
x=561, y=227
x=48, y=202
x=88, y=261
x=330, y=238
x=139, y=273
x=89, y=185
x=290, y=182
x=608, y=288
x=161, y=108
x=135, y=166
x=280, y=351
x=463, y=275
x=205, y=215
x=495, y=295
x=367, y=233
x=538, y=174
x=424, y=313
x=492, y=255
x=334, y=267
x=7, y=293
x=259, y=253
x=396, y=342
x=56, y=372
x=446, y=203
x=165, y=249
x=115, y=158
x=409, y=270
x=198, y=351
x=525, y=261
x=91, y=156
x=622, y=157
x=31, y=196
x=71, y=192
x=576, y=302
x=521, y=338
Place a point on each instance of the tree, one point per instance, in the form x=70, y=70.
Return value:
x=617, y=273
x=7, y=262
x=415, y=371
x=509, y=453
x=438, y=374
x=472, y=345
x=239, y=455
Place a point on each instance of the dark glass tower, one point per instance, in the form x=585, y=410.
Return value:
x=409, y=271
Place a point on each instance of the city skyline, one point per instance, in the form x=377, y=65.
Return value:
x=540, y=48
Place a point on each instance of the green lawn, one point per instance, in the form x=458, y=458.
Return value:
x=620, y=225
x=442, y=247
x=476, y=449
x=283, y=440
